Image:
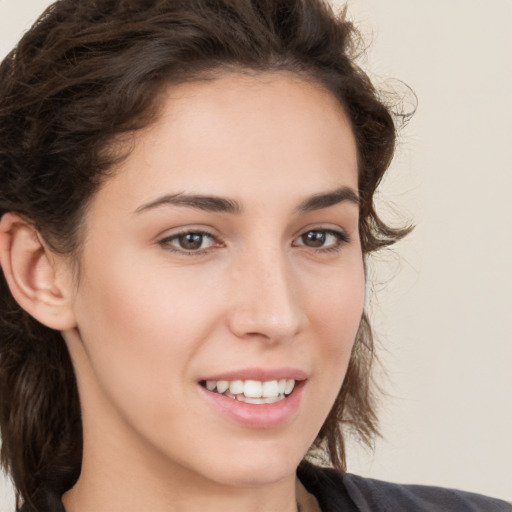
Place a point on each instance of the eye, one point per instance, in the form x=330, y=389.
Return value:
x=322, y=239
x=189, y=242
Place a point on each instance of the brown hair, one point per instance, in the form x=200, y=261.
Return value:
x=90, y=71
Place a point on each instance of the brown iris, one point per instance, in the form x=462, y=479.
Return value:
x=190, y=241
x=314, y=238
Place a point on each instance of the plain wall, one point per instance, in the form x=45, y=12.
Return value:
x=443, y=322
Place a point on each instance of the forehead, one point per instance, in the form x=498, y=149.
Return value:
x=264, y=133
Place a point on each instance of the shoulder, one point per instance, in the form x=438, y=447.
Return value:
x=334, y=489
x=371, y=494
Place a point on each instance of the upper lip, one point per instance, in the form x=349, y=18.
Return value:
x=261, y=374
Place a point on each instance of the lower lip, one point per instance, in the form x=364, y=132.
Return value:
x=257, y=415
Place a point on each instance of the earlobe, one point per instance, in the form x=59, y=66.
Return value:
x=38, y=279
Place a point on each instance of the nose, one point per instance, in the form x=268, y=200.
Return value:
x=265, y=299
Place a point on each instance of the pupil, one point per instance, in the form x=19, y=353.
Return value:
x=314, y=238
x=191, y=241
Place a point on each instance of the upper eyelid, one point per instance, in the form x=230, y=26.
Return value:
x=341, y=236
x=181, y=233
x=330, y=228
x=178, y=231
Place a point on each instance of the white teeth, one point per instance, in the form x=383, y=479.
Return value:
x=270, y=389
x=236, y=387
x=290, y=384
x=253, y=391
x=222, y=385
x=253, y=388
x=250, y=400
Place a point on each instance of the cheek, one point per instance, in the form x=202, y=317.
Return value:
x=128, y=326
x=142, y=324
x=338, y=306
x=337, y=312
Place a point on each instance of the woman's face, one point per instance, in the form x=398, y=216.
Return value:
x=223, y=253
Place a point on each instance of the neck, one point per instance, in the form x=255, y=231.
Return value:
x=134, y=494
x=122, y=478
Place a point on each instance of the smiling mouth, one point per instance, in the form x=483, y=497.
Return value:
x=251, y=391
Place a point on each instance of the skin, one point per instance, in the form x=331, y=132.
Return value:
x=150, y=319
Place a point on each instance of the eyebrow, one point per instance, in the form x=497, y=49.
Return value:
x=226, y=205
x=200, y=202
x=320, y=201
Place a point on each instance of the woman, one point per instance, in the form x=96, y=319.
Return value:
x=187, y=202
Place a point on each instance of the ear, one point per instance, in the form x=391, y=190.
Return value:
x=39, y=280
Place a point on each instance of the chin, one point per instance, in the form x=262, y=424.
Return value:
x=259, y=466
x=255, y=475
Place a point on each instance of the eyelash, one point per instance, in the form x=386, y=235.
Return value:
x=342, y=238
x=167, y=242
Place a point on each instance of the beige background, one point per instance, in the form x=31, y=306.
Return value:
x=444, y=322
